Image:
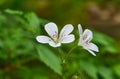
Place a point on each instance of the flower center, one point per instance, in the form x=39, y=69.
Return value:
x=57, y=41
x=55, y=35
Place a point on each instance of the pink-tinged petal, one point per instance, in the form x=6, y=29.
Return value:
x=53, y=44
x=68, y=39
x=80, y=29
x=43, y=39
x=92, y=47
x=87, y=35
x=52, y=30
x=67, y=29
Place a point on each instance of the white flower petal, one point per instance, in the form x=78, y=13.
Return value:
x=68, y=39
x=53, y=44
x=87, y=35
x=85, y=39
x=67, y=29
x=81, y=41
x=92, y=47
x=80, y=29
x=43, y=39
x=52, y=30
x=91, y=52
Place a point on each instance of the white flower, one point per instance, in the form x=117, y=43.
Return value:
x=85, y=40
x=56, y=39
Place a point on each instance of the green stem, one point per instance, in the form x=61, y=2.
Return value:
x=61, y=55
x=63, y=59
x=63, y=71
x=67, y=55
x=62, y=64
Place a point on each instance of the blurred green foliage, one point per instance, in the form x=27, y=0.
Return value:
x=22, y=57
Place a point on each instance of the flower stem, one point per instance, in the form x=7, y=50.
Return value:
x=68, y=54
x=63, y=60
x=60, y=53
x=62, y=64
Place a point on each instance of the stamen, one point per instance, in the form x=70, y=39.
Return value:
x=55, y=35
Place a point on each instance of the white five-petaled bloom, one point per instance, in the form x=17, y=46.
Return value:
x=85, y=40
x=56, y=39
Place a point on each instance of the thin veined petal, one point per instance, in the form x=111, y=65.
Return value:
x=52, y=30
x=53, y=44
x=81, y=41
x=80, y=29
x=67, y=29
x=91, y=52
x=68, y=39
x=92, y=47
x=87, y=35
x=87, y=48
x=43, y=39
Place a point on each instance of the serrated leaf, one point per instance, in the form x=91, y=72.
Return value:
x=49, y=59
x=89, y=68
x=33, y=21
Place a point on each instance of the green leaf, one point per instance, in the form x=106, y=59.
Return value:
x=105, y=42
x=33, y=21
x=2, y=18
x=89, y=68
x=116, y=69
x=105, y=72
x=49, y=59
x=13, y=11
